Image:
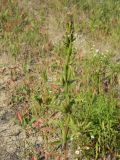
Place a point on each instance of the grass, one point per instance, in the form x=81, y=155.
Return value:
x=70, y=98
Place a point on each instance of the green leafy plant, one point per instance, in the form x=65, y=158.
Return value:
x=72, y=98
x=66, y=80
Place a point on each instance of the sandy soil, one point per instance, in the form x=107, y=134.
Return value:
x=10, y=133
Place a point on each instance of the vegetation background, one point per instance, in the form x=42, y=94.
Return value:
x=60, y=79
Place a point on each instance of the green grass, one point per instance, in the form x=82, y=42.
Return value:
x=74, y=97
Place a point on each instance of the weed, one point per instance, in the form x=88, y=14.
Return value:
x=72, y=102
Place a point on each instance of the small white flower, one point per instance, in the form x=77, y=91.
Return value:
x=71, y=138
x=92, y=137
x=77, y=152
x=87, y=148
x=97, y=50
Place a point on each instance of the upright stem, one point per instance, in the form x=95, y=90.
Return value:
x=66, y=79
